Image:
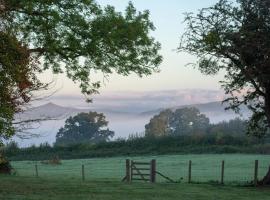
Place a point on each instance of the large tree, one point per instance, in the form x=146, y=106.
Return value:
x=188, y=120
x=234, y=37
x=182, y=121
x=76, y=37
x=84, y=128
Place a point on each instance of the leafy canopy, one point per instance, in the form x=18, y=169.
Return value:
x=233, y=36
x=79, y=37
x=182, y=121
x=84, y=128
x=18, y=81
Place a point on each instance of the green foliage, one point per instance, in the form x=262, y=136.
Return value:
x=233, y=36
x=179, y=122
x=224, y=137
x=81, y=37
x=84, y=128
x=76, y=37
x=5, y=166
x=18, y=80
x=216, y=142
x=235, y=127
x=188, y=120
x=159, y=124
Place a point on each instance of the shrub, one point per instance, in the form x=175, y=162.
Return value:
x=5, y=166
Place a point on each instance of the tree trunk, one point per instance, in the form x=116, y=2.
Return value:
x=266, y=179
x=267, y=104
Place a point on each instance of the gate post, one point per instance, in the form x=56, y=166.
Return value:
x=189, y=171
x=128, y=178
x=256, y=172
x=83, y=175
x=222, y=172
x=36, y=169
x=153, y=171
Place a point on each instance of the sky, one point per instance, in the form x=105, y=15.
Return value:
x=168, y=17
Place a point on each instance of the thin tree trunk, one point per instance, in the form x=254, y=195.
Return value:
x=267, y=103
x=266, y=179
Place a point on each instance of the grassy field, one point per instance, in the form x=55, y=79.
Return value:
x=103, y=177
x=239, y=169
x=21, y=188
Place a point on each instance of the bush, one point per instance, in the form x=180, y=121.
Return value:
x=5, y=166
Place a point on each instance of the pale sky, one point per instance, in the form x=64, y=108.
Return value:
x=168, y=18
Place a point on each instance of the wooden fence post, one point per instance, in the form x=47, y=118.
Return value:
x=83, y=175
x=131, y=170
x=128, y=178
x=36, y=169
x=222, y=172
x=153, y=171
x=189, y=171
x=256, y=172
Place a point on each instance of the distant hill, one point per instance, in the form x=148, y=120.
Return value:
x=49, y=110
x=54, y=111
x=214, y=110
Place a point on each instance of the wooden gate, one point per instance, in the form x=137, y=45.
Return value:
x=143, y=171
x=140, y=171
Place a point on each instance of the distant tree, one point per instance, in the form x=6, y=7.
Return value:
x=188, y=120
x=235, y=127
x=76, y=37
x=233, y=36
x=84, y=128
x=159, y=124
x=180, y=122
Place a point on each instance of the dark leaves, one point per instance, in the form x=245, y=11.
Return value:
x=235, y=37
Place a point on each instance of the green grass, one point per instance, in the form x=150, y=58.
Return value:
x=103, y=177
x=22, y=188
x=239, y=168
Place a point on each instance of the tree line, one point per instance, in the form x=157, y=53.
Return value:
x=182, y=144
x=93, y=128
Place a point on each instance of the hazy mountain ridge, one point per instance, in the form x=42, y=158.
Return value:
x=51, y=110
x=54, y=111
x=46, y=111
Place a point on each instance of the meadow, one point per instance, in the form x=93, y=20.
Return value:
x=239, y=168
x=22, y=188
x=103, y=179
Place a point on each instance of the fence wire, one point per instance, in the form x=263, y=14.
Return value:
x=203, y=168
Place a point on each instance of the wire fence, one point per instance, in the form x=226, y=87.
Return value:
x=200, y=170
